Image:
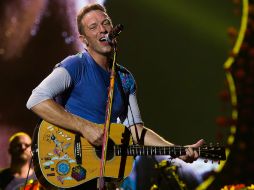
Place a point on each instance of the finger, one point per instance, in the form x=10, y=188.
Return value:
x=196, y=155
x=199, y=143
x=189, y=152
x=98, y=142
x=188, y=159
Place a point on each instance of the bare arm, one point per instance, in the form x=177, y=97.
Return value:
x=54, y=113
x=41, y=102
x=153, y=139
x=150, y=138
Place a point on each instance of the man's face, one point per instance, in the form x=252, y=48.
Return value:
x=20, y=148
x=96, y=25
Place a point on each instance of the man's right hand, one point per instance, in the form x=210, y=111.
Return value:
x=93, y=134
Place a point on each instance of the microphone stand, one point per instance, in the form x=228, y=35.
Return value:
x=101, y=182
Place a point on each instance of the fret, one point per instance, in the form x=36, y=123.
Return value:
x=158, y=151
x=119, y=151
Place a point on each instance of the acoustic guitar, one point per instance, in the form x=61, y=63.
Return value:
x=63, y=159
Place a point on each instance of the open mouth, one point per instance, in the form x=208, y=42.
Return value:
x=102, y=39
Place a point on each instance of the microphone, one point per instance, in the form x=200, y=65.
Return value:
x=114, y=33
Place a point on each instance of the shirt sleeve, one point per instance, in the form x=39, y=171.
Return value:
x=133, y=113
x=53, y=85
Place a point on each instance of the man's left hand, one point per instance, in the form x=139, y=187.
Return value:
x=191, y=154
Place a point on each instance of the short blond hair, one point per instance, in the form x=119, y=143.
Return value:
x=14, y=136
x=84, y=11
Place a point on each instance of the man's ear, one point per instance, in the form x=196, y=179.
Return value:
x=10, y=151
x=83, y=39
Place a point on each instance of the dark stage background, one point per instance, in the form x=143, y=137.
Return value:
x=175, y=49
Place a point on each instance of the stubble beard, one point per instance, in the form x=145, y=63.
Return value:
x=103, y=50
x=22, y=158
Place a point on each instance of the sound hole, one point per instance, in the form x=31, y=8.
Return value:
x=110, y=150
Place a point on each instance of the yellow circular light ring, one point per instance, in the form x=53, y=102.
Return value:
x=228, y=63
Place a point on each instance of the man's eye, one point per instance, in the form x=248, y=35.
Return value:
x=107, y=22
x=93, y=27
x=28, y=145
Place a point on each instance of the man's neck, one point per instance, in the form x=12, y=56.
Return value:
x=20, y=169
x=102, y=60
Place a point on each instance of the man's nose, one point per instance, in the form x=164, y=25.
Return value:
x=102, y=28
x=23, y=146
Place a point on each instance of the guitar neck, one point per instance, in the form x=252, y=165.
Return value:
x=135, y=150
x=210, y=152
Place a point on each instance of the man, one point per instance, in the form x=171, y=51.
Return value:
x=82, y=81
x=20, y=150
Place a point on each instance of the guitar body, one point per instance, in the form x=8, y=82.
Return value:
x=65, y=159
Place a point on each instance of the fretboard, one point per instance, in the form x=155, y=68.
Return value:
x=210, y=152
x=135, y=150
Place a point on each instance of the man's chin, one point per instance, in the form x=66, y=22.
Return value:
x=23, y=158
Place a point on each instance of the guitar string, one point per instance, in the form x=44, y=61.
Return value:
x=150, y=150
x=154, y=147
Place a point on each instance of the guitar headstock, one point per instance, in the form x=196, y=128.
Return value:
x=213, y=152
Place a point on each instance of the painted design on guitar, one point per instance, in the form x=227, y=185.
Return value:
x=48, y=163
x=78, y=173
x=51, y=174
x=62, y=167
x=64, y=157
x=58, y=159
x=62, y=179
